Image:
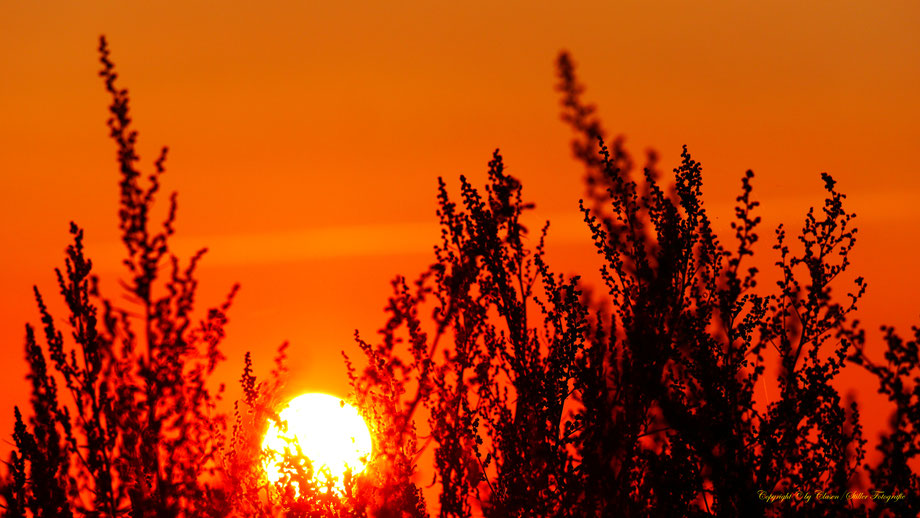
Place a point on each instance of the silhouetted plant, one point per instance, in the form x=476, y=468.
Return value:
x=641, y=403
x=540, y=399
x=689, y=334
x=139, y=434
x=899, y=380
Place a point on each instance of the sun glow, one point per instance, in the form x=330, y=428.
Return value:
x=329, y=432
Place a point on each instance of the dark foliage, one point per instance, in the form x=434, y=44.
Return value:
x=640, y=402
x=899, y=380
x=540, y=398
x=139, y=434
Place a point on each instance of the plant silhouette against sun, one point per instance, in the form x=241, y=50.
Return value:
x=537, y=395
x=137, y=431
x=544, y=401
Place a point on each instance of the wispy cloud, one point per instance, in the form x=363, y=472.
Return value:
x=567, y=228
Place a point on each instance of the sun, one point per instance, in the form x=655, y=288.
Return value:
x=329, y=432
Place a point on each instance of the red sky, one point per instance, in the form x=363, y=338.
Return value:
x=306, y=139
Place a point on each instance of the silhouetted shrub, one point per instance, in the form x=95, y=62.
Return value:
x=540, y=400
x=544, y=402
x=138, y=433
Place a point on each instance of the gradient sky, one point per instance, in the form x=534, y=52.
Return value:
x=306, y=139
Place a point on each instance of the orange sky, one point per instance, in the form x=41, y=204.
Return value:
x=306, y=138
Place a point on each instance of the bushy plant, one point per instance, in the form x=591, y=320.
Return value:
x=136, y=432
x=540, y=399
x=641, y=402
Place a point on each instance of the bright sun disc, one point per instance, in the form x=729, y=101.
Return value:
x=329, y=432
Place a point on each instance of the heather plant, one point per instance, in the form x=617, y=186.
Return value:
x=537, y=394
x=688, y=334
x=137, y=430
x=641, y=401
x=899, y=381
